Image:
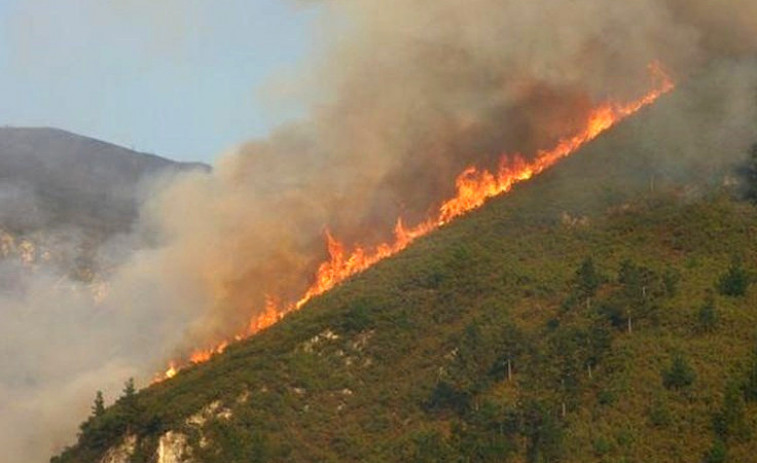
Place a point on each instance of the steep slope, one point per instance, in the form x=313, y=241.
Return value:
x=51, y=178
x=542, y=327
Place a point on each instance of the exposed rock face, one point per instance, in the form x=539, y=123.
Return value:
x=121, y=453
x=211, y=411
x=173, y=448
x=326, y=335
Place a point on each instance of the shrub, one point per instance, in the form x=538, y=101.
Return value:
x=587, y=279
x=614, y=314
x=446, y=397
x=358, y=318
x=707, y=315
x=670, y=280
x=729, y=421
x=750, y=381
x=735, y=281
x=717, y=453
x=601, y=446
x=680, y=374
x=659, y=413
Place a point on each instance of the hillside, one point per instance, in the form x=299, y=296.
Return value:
x=50, y=178
x=594, y=314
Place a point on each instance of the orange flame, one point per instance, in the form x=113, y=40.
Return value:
x=474, y=187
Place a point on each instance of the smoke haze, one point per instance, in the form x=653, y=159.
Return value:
x=403, y=95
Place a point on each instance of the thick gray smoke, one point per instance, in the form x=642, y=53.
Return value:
x=57, y=344
x=57, y=349
x=403, y=95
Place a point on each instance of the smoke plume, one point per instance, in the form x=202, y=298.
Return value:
x=403, y=97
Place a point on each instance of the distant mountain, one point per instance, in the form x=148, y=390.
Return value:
x=50, y=178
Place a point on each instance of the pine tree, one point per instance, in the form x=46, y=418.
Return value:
x=129, y=389
x=472, y=362
x=750, y=382
x=730, y=420
x=708, y=317
x=670, y=280
x=735, y=281
x=679, y=375
x=542, y=432
x=587, y=281
x=98, y=408
x=717, y=453
x=129, y=400
x=640, y=287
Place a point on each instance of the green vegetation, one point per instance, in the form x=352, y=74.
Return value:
x=717, y=454
x=586, y=282
x=707, y=315
x=680, y=375
x=729, y=421
x=750, y=381
x=98, y=408
x=510, y=335
x=452, y=350
x=735, y=281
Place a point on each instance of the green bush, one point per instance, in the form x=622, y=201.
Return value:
x=730, y=420
x=707, y=316
x=735, y=281
x=717, y=453
x=445, y=397
x=750, y=380
x=679, y=375
x=601, y=446
x=587, y=280
x=358, y=318
x=659, y=413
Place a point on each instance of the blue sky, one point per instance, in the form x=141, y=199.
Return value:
x=185, y=79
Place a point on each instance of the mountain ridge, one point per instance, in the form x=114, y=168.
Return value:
x=51, y=177
x=51, y=130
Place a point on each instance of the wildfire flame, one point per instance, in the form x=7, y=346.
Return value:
x=474, y=187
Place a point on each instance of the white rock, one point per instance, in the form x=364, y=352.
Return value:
x=173, y=448
x=121, y=453
x=212, y=410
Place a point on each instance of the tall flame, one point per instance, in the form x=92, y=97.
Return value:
x=474, y=187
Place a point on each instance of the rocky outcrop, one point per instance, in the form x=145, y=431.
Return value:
x=121, y=453
x=173, y=448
